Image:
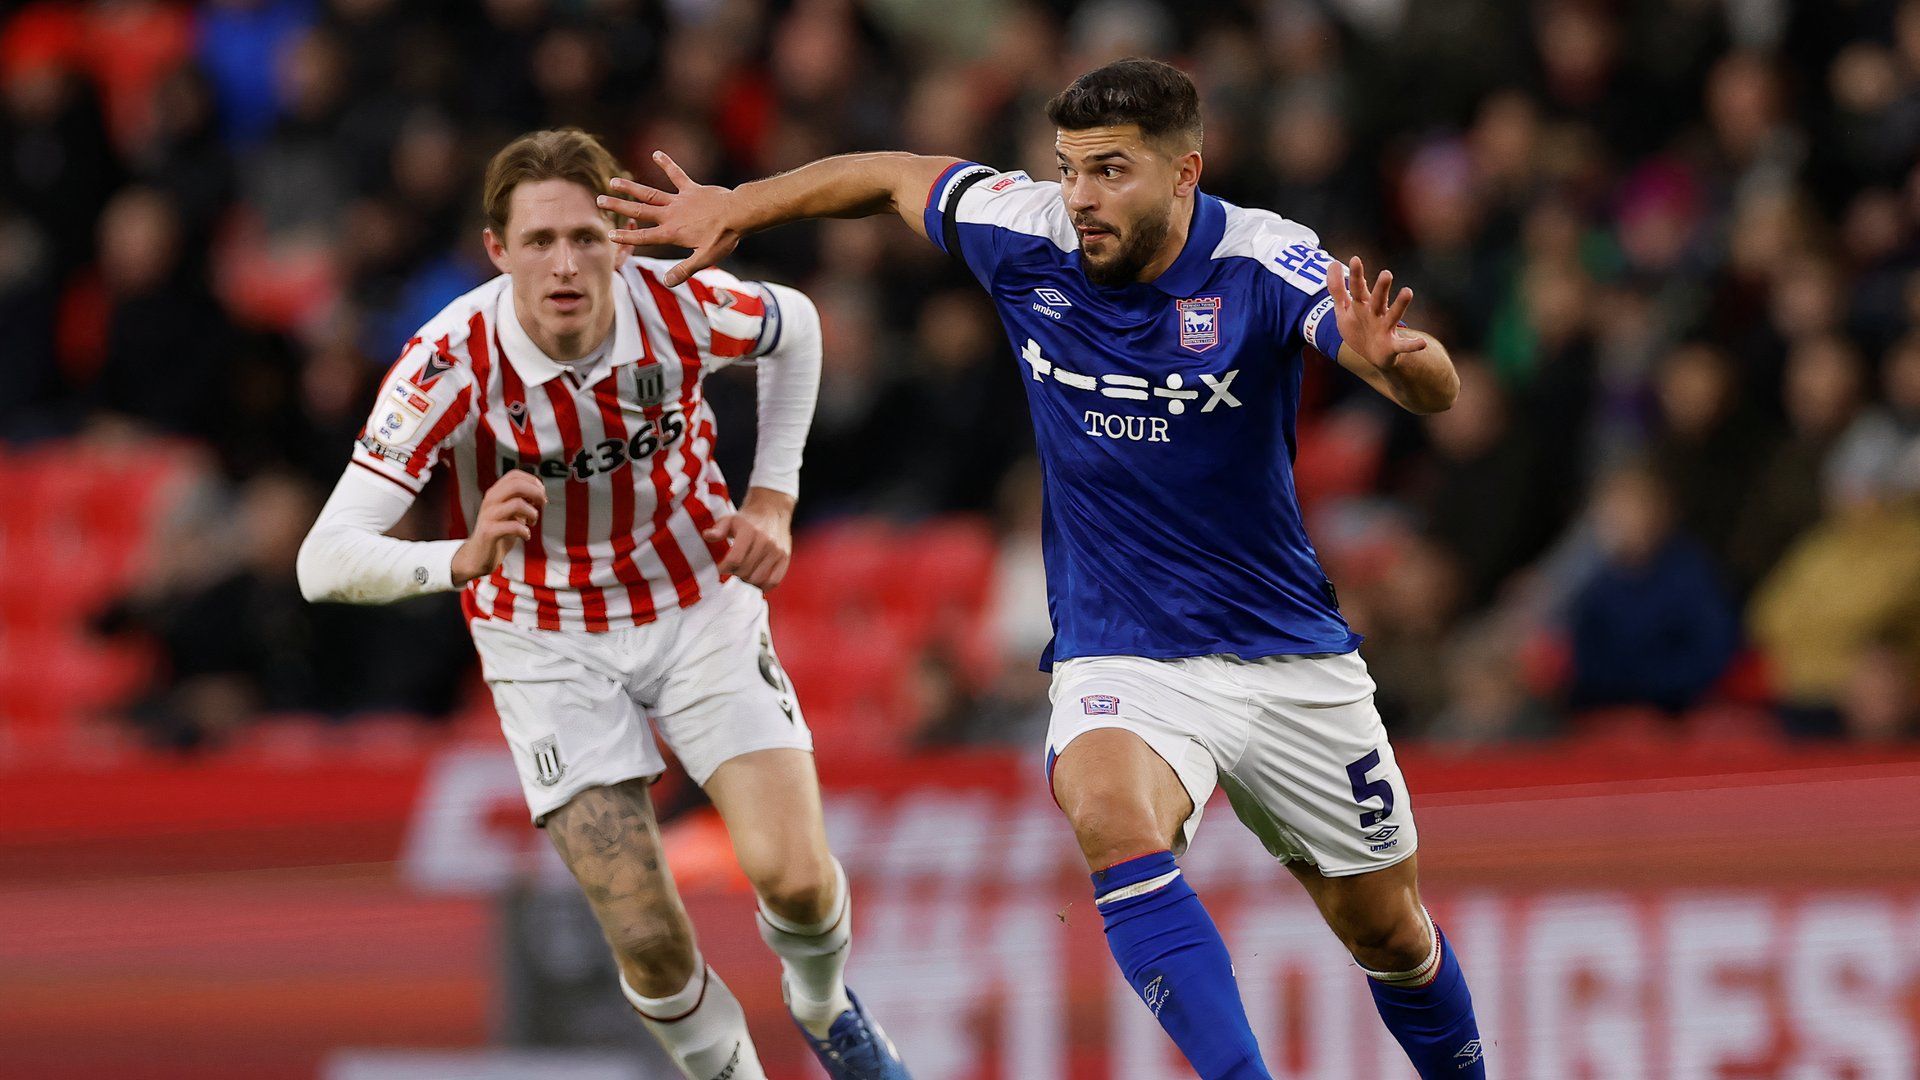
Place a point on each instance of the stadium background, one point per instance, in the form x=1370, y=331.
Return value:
x=1644, y=607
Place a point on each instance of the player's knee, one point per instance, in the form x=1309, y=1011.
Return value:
x=802, y=890
x=1111, y=830
x=655, y=953
x=1384, y=941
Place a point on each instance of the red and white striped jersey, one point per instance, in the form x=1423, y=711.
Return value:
x=625, y=447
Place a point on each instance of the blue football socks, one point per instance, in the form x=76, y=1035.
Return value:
x=1431, y=1013
x=1171, y=953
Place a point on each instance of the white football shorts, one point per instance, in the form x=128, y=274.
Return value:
x=1295, y=740
x=576, y=706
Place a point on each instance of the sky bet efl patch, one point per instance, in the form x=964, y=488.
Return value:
x=406, y=409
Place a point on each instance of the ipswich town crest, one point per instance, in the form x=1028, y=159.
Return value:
x=1199, y=322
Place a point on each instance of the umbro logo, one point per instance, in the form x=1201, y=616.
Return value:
x=1469, y=1054
x=1382, y=838
x=1052, y=302
x=1156, y=994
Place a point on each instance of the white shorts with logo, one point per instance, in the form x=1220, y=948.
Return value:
x=576, y=706
x=1295, y=740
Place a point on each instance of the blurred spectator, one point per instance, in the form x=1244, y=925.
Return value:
x=1412, y=614
x=1478, y=493
x=1882, y=446
x=240, y=641
x=962, y=417
x=1652, y=626
x=1486, y=702
x=1542, y=346
x=298, y=180
x=29, y=366
x=168, y=346
x=1316, y=180
x=186, y=158
x=1851, y=582
x=1822, y=395
x=1709, y=447
x=56, y=164
x=241, y=43
x=1881, y=701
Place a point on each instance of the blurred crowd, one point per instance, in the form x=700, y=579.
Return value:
x=1674, y=247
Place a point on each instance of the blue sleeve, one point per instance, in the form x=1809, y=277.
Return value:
x=1306, y=307
x=976, y=214
x=939, y=201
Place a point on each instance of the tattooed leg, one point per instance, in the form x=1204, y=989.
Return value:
x=610, y=840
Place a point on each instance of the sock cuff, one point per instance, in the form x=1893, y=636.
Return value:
x=1152, y=870
x=843, y=898
x=1422, y=975
x=676, y=1006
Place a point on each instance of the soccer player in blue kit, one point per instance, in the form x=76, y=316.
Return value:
x=1197, y=642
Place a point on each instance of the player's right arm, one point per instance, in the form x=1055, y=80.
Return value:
x=425, y=405
x=348, y=558
x=710, y=221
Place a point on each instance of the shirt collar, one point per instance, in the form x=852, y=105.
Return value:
x=535, y=367
x=1195, y=263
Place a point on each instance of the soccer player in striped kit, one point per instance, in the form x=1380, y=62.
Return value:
x=1161, y=333
x=609, y=581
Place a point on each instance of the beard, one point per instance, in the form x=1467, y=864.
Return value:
x=1138, y=247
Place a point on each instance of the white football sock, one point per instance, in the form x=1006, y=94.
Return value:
x=814, y=959
x=702, y=1026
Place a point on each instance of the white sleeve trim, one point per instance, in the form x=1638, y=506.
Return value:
x=789, y=384
x=347, y=557
x=1018, y=203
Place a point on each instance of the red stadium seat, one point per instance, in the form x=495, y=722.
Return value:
x=1626, y=729
x=1733, y=727
x=851, y=682
x=1340, y=455
x=1747, y=681
x=841, y=565
x=937, y=585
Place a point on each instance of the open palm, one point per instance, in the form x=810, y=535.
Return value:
x=1369, y=323
x=693, y=216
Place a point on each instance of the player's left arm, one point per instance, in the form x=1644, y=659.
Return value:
x=1410, y=367
x=760, y=533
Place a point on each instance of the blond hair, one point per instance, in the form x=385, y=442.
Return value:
x=556, y=154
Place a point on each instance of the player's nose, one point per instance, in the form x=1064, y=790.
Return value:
x=1080, y=196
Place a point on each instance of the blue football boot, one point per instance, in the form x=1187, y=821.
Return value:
x=856, y=1049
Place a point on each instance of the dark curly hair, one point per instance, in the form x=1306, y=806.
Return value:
x=1158, y=97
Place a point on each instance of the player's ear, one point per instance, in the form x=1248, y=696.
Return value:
x=1187, y=172
x=496, y=251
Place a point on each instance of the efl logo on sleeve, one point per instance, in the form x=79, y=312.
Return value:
x=402, y=416
x=1101, y=705
x=1199, y=322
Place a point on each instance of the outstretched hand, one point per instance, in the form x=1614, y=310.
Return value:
x=693, y=216
x=1368, y=323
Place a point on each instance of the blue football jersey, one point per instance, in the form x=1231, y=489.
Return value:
x=1164, y=415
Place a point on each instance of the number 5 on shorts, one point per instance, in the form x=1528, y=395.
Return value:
x=1364, y=789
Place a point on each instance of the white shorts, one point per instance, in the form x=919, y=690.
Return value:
x=575, y=706
x=1295, y=740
